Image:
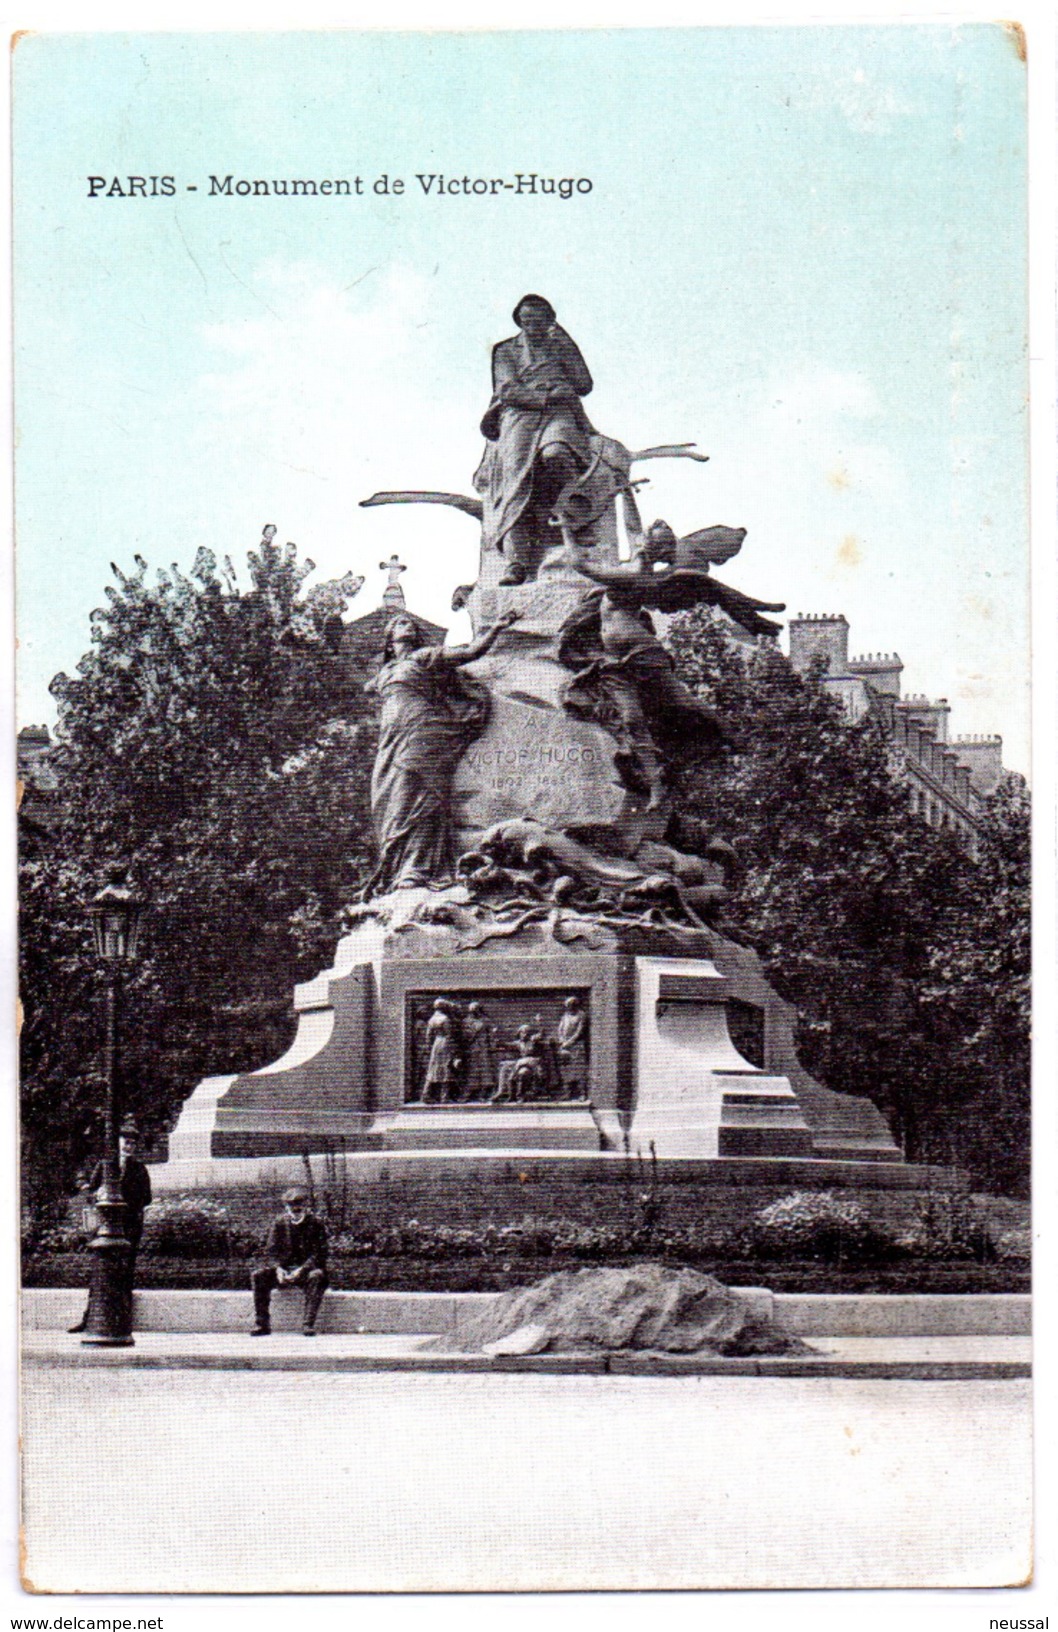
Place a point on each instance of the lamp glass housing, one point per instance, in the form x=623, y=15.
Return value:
x=116, y=915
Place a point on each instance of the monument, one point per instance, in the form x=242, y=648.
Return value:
x=534, y=967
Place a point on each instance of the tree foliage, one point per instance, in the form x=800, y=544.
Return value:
x=213, y=742
x=907, y=959
x=977, y=997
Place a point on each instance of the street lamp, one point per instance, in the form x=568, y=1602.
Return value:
x=115, y=915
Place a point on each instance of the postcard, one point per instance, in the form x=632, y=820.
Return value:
x=523, y=749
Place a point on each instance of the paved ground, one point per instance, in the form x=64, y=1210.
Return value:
x=258, y=1481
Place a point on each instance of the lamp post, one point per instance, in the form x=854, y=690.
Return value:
x=115, y=915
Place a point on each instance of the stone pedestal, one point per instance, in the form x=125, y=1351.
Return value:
x=696, y=1095
x=534, y=759
x=318, y=1096
x=687, y=1050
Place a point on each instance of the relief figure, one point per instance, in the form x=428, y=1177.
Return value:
x=523, y=1076
x=444, y=1065
x=571, y=1046
x=479, y=1054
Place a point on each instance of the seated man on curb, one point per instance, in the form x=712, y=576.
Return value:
x=297, y=1253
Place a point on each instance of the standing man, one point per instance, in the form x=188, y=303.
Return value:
x=135, y=1185
x=297, y=1254
x=571, y=1045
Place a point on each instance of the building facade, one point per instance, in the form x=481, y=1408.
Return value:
x=948, y=779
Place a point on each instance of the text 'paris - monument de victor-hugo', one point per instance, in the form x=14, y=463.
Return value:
x=533, y=969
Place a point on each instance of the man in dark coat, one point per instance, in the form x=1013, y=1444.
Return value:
x=297, y=1256
x=135, y=1186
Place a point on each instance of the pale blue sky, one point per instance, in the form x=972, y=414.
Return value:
x=804, y=249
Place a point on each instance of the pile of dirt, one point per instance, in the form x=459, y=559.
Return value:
x=643, y=1306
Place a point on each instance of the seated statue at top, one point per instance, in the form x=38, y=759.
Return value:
x=537, y=434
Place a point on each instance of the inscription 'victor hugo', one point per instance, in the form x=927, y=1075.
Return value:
x=503, y=768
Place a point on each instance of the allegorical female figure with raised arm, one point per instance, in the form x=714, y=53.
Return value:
x=537, y=434
x=430, y=715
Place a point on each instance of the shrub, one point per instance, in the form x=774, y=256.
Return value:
x=952, y=1225
x=531, y=1238
x=60, y=1238
x=194, y=1227
x=821, y=1225
x=1013, y=1243
x=61, y=1229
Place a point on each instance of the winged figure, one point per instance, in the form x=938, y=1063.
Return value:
x=582, y=499
x=623, y=677
x=684, y=581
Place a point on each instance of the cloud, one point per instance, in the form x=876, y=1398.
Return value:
x=303, y=379
x=328, y=392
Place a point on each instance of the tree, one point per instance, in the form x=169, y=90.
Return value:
x=978, y=997
x=213, y=740
x=876, y=926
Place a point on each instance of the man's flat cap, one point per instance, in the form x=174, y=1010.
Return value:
x=295, y=1193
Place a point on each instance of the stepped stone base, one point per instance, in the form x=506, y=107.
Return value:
x=688, y=1055
x=760, y=1116
x=497, y=1127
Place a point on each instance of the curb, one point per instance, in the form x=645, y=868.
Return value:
x=627, y=1364
x=804, y=1314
